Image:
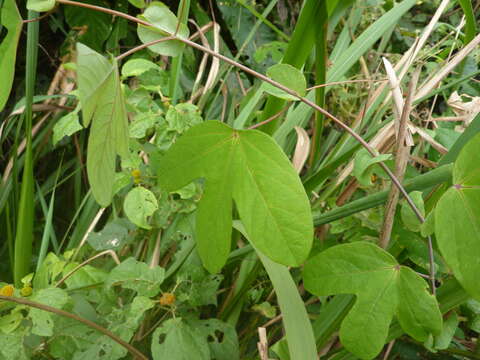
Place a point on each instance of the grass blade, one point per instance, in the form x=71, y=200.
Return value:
x=24, y=234
x=299, y=333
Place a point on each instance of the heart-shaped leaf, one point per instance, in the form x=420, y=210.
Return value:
x=139, y=205
x=383, y=289
x=249, y=167
x=101, y=98
x=11, y=19
x=457, y=219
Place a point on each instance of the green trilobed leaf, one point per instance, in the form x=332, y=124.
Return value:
x=383, y=289
x=11, y=19
x=102, y=99
x=249, y=167
x=165, y=23
x=457, y=219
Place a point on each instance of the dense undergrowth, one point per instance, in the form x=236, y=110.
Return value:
x=271, y=179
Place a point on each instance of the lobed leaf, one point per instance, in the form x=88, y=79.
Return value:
x=457, y=219
x=250, y=167
x=383, y=289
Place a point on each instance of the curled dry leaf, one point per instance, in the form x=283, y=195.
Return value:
x=302, y=149
x=465, y=110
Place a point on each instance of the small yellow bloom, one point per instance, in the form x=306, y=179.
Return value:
x=26, y=291
x=7, y=290
x=136, y=173
x=167, y=299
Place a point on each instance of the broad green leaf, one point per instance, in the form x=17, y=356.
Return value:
x=383, y=289
x=101, y=97
x=365, y=166
x=176, y=340
x=450, y=326
x=165, y=23
x=457, y=219
x=409, y=218
x=12, y=21
x=137, y=276
x=221, y=337
x=248, y=166
x=288, y=76
x=137, y=67
x=113, y=236
x=43, y=320
x=139, y=206
x=66, y=126
x=12, y=345
x=40, y=5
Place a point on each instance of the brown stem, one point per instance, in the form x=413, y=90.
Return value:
x=136, y=353
x=265, y=79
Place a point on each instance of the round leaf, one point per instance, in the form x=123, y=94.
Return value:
x=139, y=205
x=288, y=76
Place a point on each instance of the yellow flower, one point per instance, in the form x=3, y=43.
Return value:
x=26, y=291
x=167, y=299
x=7, y=290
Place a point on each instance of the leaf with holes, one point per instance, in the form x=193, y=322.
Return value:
x=42, y=320
x=102, y=100
x=12, y=21
x=137, y=276
x=457, y=219
x=383, y=289
x=165, y=23
x=176, y=340
x=249, y=167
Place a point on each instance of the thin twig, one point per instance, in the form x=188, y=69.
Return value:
x=136, y=353
x=401, y=160
x=267, y=80
x=78, y=267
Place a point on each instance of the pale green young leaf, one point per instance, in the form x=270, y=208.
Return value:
x=457, y=219
x=165, y=23
x=137, y=276
x=248, y=166
x=137, y=67
x=383, y=289
x=101, y=98
x=43, y=320
x=139, y=206
x=288, y=76
x=365, y=166
x=410, y=220
x=12, y=21
x=176, y=340
x=66, y=126
x=40, y=5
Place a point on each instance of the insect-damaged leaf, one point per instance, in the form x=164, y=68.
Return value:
x=249, y=167
x=457, y=219
x=383, y=289
x=102, y=99
x=12, y=21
